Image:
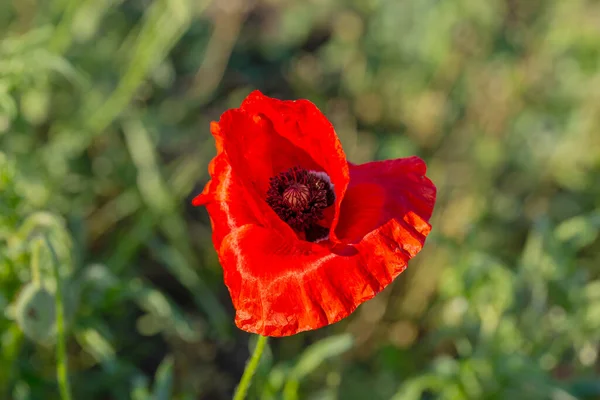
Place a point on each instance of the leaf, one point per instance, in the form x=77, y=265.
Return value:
x=140, y=389
x=163, y=309
x=163, y=385
x=579, y=231
x=317, y=353
x=96, y=344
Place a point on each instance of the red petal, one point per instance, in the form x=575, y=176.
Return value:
x=257, y=141
x=383, y=190
x=303, y=125
x=281, y=288
x=227, y=200
x=256, y=152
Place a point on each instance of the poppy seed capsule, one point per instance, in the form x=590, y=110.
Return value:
x=296, y=196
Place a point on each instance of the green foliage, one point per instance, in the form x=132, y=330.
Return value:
x=104, y=114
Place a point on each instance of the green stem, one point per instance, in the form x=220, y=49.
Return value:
x=35, y=262
x=242, y=389
x=61, y=340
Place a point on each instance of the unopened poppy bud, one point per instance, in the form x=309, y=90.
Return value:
x=35, y=313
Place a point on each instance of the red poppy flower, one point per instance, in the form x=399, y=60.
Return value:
x=303, y=235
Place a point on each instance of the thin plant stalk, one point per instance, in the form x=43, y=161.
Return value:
x=35, y=262
x=61, y=339
x=246, y=381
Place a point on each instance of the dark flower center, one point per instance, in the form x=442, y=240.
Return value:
x=298, y=197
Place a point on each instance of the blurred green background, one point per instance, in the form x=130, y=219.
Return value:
x=104, y=114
